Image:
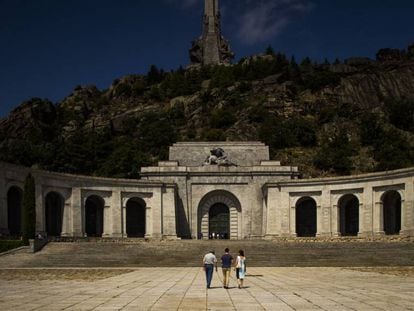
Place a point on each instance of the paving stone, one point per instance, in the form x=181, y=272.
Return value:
x=269, y=288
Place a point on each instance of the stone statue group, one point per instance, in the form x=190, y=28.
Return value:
x=218, y=157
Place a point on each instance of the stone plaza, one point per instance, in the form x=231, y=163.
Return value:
x=184, y=289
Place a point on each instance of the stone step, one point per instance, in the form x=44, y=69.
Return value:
x=188, y=253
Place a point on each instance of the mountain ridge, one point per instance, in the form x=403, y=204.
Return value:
x=329, y=119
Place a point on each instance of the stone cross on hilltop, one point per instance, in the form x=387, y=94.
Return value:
x=211, y=48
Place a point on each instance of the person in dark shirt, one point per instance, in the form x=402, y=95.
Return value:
x=226, y=263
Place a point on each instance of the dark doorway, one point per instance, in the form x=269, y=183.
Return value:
x=54, y=213
x=135, y=217
x=94, y=207
x=349, y=215
x=14, y=210
x=219, y=222
x=306, y=218
x=392, y=212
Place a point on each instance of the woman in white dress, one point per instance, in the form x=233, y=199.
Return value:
x=240, y=266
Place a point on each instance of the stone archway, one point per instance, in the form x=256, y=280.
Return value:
x=14, y=210
x=217, y=202
x=348, y=215
x=54, y=208
x=306, y=217
x=94, y=210
x=135, y=217
x=219, y=221
x=391, y=202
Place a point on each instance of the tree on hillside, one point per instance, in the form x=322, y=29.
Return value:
x=334, y=154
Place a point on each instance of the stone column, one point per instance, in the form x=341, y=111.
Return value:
x=288, y=216
x=157, y=215
x=169, y=230
x=407, y=210
x=107, y=219
x=4, y=226
x=323, y=226
x=366, y=213
x=148, y=222
x=378, y=215
x=78, y=214
x=319, y=221
x=116, y=214
x=273, y=213
x=336, y=231
x=40, y=207
x=67, y=218
x=154, y=216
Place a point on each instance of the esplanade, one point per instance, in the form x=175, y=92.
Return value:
x=225, y=190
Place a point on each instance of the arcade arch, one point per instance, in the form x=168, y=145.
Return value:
x=54, y=210
x=219, y=212
x=348, y=215
x=391, y=204
x=94, y=216
x=306, y=218
x=14, y=210
x=135, y=217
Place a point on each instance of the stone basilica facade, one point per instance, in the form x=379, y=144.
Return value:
x=228, y=190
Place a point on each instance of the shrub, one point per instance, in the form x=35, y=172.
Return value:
x=6, y=245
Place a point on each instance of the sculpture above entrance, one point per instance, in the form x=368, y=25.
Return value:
x=240, y=153
x=218, y=157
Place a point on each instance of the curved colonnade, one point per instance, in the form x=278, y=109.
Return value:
x=366, y=205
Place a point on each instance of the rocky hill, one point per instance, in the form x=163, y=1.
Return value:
x=328, y=119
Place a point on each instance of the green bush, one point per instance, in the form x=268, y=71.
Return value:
x=222, y=118
x=401, y=113
x=334, y=154
x=6, y=245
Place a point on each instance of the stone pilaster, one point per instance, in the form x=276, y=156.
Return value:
x=67, y=218
x=407, y=210
x=78, y=213
x=154, y=216
x=107, y=219
x=324, y=215
x=169, y=226
x=273, y=213
x=40, y=207
x=4, y=227
x=116, y=214
x=366, y=213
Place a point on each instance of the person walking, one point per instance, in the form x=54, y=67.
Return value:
x=240, y=267
x=226, y=263
x=209, y=261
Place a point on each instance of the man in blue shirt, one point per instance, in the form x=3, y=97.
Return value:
x=226, y=263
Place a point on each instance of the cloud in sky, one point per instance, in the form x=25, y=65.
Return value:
x=261, y=20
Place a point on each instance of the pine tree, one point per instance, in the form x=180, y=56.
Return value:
x=269, y=50
x=29, y=209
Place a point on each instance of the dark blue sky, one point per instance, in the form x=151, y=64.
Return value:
x=47, y=47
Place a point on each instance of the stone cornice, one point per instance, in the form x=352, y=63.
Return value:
x=370, y=177
x=79, y=179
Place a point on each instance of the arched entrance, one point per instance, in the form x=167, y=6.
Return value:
x=391, y=202
x=219, y=211
x=94, y=207
x=14, y=210
x=219, y=222
x=135, y=217
x=349, y=215
x=306, y=217
x=54, y=213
